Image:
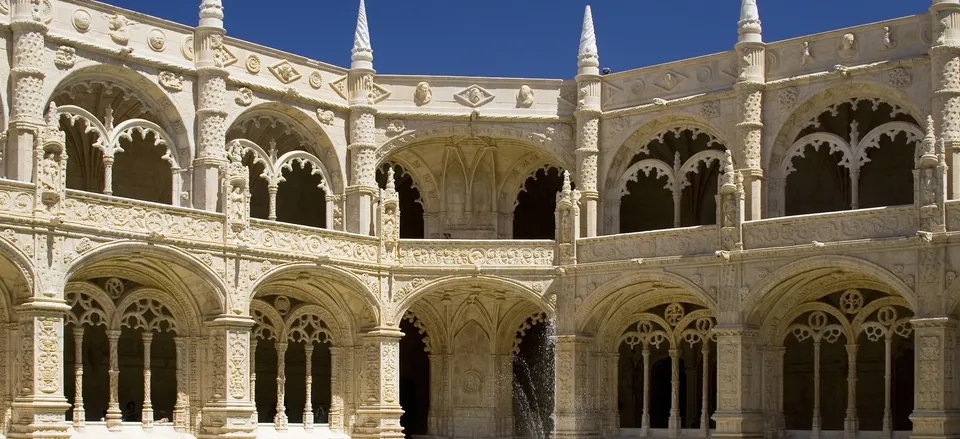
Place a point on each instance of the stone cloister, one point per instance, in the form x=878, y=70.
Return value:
x=201, y=237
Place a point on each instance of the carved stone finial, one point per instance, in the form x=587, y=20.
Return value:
x=748, y=27
x=391, y=186
x=362, y=50
x=727, y=180
x=211, y=13
x=929, y=157
x=588, y=55
x=566, y=182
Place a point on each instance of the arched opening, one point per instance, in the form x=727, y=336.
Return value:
x=672, y=182
x=840, y=336
x=135, y=163
x=858, y=153
x=411, y=209
x=288, y=182
x=414, y=378
x=533, y=217
x=533, y=378
x=665, y=373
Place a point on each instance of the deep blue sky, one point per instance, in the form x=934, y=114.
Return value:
x=519, y=38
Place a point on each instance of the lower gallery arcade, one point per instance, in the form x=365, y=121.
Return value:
x=824, y=356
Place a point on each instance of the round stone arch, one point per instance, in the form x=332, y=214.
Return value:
x=339, y=330
x=640, y=137
x=513, y=320
x=101, y=297
x=344, y=278
x=517, y=176
x=773, y=155
x=187, y=322
x=19, y=287
x=784, y=288
x=611, y=289
x=534, y=140
x=146, y=89
x=306, y=127
x=492, y=282
x=615, y=322
x=200, y=302
x=423, y=181
x=435, y=334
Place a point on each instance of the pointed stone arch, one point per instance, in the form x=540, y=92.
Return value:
x=404, y=302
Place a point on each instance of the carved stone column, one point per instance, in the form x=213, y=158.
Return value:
x=738, y=412
x=146, y=418
x=851, y=423
x=211, y=105
x=78, y=412
x=363, y=184
x=280, y=419
x=935, y=413
x=751, y=53
x=337, y=356
x=607, y=395
x=181, y=417
x=379, y=412
x=730, y=206
x=572, y=403
x=114, y=415
x=229, y=409
x=39, y=406
x=945, y=61
x=308, y=405
x=26, y=84
x=588, y=124
x=673, y=423
x=773, y=391
x=567, y=217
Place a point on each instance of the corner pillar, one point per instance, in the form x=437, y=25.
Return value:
x=39, y=405
x=211, y=106
x=26, y=83
x=362, y=191
x=379, y=412
x=935, y=413
x=738, y=413
x=229, y=410
x=573, y=403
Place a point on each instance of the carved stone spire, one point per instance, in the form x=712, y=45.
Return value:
x=749, y=27
x=588, y=55
x=391, y=186
x=362, y=54
x=929, y=157
x=727, y=183
x=566, y=188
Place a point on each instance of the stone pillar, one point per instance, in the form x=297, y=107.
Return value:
x=588, y=124
x=749, y=87
x=335, y=417
x=773, y=391
x=78, y=412
x=607, y=395
x=738, y=412
x=211, y=105
x=673, y=423
x=228, y=412
x=935, y=413
x=280, y=419
x=308, y=405
x=363, y=114
x=505, y=421
x=181, y=417
x=573, y=406
x=114, y=415
x=39, y=406
x=379, y=412
x=945, y=61
x=146, y=418
x=26, y=85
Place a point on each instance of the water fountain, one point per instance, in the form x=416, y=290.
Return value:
x=533, y=380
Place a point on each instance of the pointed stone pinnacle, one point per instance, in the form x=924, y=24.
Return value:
x=362, y=50
x=588, y=55
x=749, y=27
x=391, y=186
x=566, y=182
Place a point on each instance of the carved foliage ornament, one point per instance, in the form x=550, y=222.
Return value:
x=244, y=97
x=170, y=81
x=66, y=57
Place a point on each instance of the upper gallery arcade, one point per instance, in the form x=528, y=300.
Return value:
x=245, y=242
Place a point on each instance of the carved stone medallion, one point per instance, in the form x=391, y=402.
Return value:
x=157, y=40
x=474, y=96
